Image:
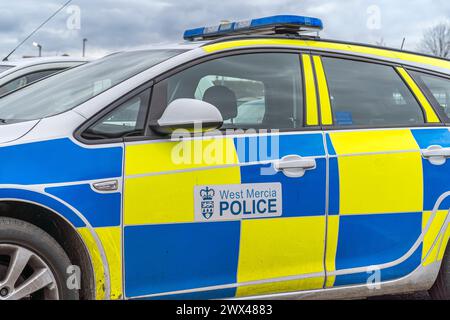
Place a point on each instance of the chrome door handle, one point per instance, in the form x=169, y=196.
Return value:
x=436, y=155
x=294, y=166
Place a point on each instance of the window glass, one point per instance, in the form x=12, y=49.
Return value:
x=261, y=90
x=249, y=96
x=35, y=76
x=66, y=90
x=439, y=88
x=25, y=80
x=13, y=85
x=126, y=120
x=369, y=94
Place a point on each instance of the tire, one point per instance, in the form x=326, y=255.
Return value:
x=441, y=288
x=43, y=255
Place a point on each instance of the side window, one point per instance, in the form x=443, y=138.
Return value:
x=259, y=90
x=128, y=119
x=438, y=87
x=369, y=94
x=13, y=85
x=25, y=80
x=35, y=76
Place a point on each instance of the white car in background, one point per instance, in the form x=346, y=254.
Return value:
x=16, y=74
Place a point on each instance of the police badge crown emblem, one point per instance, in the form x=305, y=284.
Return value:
x=207, y=204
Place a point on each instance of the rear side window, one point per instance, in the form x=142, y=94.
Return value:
x=369, y=94
x=438, y=87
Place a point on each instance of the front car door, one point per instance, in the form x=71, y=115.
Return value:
x=376, y=121
x=230, y=215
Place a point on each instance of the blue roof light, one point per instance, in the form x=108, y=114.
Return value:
x=267, y=25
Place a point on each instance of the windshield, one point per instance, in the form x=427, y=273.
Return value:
x=68, y=89
x=4, y=68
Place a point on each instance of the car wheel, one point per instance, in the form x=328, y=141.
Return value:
x=441, y=288
x=33, y=266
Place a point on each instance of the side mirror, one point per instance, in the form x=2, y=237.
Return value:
x=191, y=114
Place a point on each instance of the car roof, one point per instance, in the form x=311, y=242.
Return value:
x=26, y=62
x=393, y=55
x=187, y=45
x=316, y=44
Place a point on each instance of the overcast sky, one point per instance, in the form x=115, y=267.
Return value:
x=111, y=25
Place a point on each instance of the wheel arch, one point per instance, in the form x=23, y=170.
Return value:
x=63, y=231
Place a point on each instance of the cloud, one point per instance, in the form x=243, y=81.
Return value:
x=112, y=25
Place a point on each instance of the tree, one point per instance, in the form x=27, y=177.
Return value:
x=436, y=40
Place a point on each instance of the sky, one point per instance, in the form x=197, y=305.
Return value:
x=113, y=25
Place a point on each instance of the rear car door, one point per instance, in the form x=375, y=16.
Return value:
x=375, y=118
x=435, y=145
x=237, y=214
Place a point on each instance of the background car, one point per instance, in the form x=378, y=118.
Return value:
x=16, y=74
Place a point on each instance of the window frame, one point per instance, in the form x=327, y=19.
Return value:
x=78, y=133
x=149, y=135
x=150, y=84
x=391, y=64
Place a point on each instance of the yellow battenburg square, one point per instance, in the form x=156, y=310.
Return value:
x=332, y=243
x=444, y=243
x=159, y=187
x=281, y=247
x=110, y=238
x=429, y=252
x=158, y=157
x=169, y=198
x=280, y=287
x=364, y=141
x=380, y=171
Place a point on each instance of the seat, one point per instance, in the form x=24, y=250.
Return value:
x=223, y=99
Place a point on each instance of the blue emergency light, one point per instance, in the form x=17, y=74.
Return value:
x=283, y=24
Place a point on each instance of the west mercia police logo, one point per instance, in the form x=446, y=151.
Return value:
x=237, y=201
x=207, y=203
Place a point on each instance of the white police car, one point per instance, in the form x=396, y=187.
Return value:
x=333, y=182
x=16, y=74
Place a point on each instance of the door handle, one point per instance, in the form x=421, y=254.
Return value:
x=294, y=166
x=436, y=155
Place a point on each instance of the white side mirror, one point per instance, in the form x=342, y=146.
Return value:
x=191, y=114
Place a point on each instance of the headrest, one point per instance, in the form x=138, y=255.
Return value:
x=224, y=99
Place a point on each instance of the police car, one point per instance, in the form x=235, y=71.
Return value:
x=138, y=176
x=19, y=73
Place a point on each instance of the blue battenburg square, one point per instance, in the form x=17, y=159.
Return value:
x=172, y=257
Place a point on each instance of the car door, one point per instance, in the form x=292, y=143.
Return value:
x=435, y=146
x=236, y=212
x=375, y=117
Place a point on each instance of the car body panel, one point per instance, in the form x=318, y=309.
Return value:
x=12, y=133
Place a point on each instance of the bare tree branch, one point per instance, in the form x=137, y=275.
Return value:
x=436, y=41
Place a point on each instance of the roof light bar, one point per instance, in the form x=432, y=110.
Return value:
x=269, y=25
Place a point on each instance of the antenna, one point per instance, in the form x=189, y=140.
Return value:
x=403, y=43
x=37, y=29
